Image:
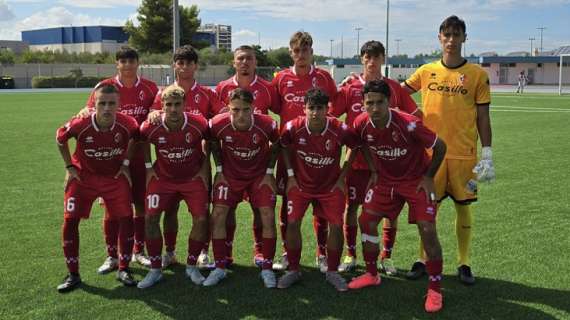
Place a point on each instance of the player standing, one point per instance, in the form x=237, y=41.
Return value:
x=403, y=173
x=349, y=102
x=199, y=100
x=245, y=150
x=292, y=84
x=98, y=168
x=264, y=99
x=136, y=95
x=455, y=99
x=181, y=171
x=312, y=151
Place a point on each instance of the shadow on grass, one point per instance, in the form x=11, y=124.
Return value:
x=242, y=295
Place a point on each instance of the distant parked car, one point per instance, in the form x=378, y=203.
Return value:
x=7, y=82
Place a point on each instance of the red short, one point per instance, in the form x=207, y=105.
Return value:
x=356, y=182
x=389, y=201
x=163, y=194
x=232, y=193
x=332, y=204
x=79, y=196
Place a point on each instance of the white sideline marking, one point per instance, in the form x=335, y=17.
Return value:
x=531, y=108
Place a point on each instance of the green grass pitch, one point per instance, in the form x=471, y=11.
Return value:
x=520, y=254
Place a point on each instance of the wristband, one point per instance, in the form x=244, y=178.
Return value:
x=269, y=171
x=219, y=169
x=126, y=162
x=148, y=165
x=486, y=153
x=290, y=173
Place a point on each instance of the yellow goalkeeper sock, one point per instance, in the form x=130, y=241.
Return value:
x=463, y=222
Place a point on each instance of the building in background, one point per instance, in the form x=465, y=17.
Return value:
x=92, y=39
x=13, y=45
x=222, y=34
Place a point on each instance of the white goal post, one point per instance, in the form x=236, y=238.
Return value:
x=560, y=68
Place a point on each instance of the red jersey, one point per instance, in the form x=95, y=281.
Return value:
x=135, y=101
x=291, y=89
x=315, y=158
x=179, y=154
x=350, y=101
x=245, y=154
x=399, y=149
x=99, y=152
x=200, y=100
x=264, y=94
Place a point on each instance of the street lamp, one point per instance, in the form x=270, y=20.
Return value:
x=386, y=72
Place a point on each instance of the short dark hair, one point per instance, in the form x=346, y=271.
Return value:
x=186, y=52
x=126, y=52
x=106, y=89
x=241, y=94
x=316, y=97
x=372, y=48
x=454, y=23
x=244, y=48
x=377, y=86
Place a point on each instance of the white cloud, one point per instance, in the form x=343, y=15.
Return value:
x=5, y=11
x=245, y=33
x=53, y=17
x=99, y=4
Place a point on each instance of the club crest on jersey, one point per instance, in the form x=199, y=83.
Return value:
x=395, y=136
x=197, y=98
x=328, y=145
x=302, y=141
x=314, y=82
x=141, y=95
x=255, y=94
x=229, y=139
x=433, y=76
x=411, y=126
x=118, y=137
x=161, y=140
x=255, y=138
x=89, y=139
x=187, y=137
x=289, y=84
x=462, y=79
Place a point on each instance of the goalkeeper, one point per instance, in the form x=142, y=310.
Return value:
x=455, y=98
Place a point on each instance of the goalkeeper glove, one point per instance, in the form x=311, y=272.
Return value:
x=484, y=169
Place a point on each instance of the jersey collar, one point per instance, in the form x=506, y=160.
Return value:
x=387, y=124
x=250, y=126
x=94, y=123
x=120, y=84
x=292, y=68
x=322, y=132
x=234, y=80
x=163, y=118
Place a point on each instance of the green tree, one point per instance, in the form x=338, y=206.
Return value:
x=154, y=35
x=280, y=57
x=7, y=57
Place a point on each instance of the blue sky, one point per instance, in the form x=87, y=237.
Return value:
x=493, y=25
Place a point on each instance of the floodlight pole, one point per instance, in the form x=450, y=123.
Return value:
x=541, y=30
x=175, y=26
x=386, y=71
x=358, y=40
x=332, y=40
x=531, y=40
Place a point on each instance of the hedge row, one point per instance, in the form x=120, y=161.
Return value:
x=65, y=82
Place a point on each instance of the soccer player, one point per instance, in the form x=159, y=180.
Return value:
x=245, y=150
x=455, y=100
x=403, y=173
x=292, y=84
x=264, y=98
x=181, y=171
x=349, y=102
x=312, y=151
x=199, y=100
x=136, y=98
x=98, y=168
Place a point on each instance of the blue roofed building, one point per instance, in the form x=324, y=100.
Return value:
x=92, y=39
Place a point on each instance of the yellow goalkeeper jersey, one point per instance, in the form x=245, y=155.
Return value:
x=449, y=102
